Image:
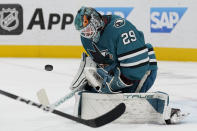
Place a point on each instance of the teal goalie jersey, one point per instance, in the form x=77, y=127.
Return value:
x=122, y=45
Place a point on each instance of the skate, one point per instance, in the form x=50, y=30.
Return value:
x=176, y=116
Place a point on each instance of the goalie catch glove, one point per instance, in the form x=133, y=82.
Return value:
x=80, y=81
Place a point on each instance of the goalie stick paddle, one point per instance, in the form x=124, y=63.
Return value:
x=95, y=122
x=43, y=98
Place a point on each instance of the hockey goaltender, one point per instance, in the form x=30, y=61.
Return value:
x=120, y=67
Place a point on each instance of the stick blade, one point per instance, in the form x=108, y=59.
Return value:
x=42, y=97
x=99, y=121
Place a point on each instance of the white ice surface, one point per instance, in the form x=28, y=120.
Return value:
x=24, y=77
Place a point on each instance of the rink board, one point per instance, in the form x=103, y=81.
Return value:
x=168, y=54
x=47, y=30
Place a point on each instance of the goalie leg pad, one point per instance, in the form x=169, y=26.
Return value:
x=140, y=107
x=77, y=107
x=149, y=81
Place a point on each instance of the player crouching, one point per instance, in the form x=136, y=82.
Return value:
x=119, y=67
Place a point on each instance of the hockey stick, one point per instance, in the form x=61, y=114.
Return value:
x=43, y=98
x=95, y=122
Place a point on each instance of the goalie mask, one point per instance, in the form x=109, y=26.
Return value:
x=89, y=23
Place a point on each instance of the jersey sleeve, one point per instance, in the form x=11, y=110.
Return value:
x=132, y=53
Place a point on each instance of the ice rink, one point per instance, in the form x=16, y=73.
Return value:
x=24, y=77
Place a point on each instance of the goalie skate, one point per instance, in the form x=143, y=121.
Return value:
x=176, y=116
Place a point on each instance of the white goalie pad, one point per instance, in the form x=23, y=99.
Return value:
x=140, y=107
x=80, y=78
x=92, y=77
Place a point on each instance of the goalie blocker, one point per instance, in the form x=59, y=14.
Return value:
x=140, y=107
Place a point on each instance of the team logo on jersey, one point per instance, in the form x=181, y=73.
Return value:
x=164, y=20
x=101, y=57
x=120, y=11
x=119, y=23
x=10, y=19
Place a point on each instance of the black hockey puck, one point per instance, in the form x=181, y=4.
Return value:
x=48, y=67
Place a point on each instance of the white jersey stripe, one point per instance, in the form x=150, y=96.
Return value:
x=133, y=54
x=134, y=63
x=151, y=52
x=152, y=60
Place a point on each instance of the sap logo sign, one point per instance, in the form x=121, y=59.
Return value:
x=164, y=20
x=120, y=11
